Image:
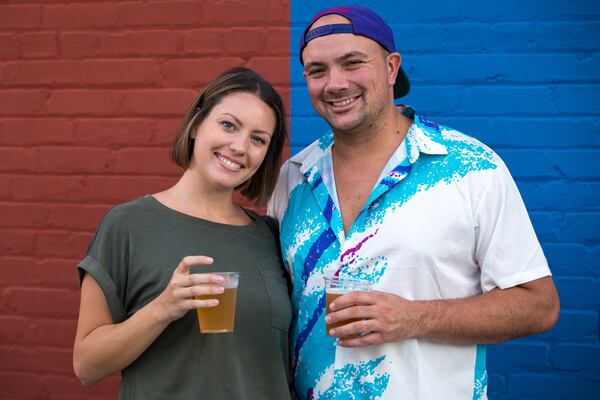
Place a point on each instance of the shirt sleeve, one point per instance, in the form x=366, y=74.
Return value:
x=107, y=262
x=278, y=201
x=507, y=251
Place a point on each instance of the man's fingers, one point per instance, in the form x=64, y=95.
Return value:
x=353, y=328
x=353, y=298
x=350, y=313
x=361, y=341
x=189, y=261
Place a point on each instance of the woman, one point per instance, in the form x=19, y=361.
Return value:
x=138, y=282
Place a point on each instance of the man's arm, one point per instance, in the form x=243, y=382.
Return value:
x=493, y=317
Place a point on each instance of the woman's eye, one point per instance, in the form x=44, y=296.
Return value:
x=228, y=125
x=259, y=140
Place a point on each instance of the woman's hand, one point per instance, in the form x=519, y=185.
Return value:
x=178, y=296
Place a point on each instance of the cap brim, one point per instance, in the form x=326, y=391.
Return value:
x=402, y=85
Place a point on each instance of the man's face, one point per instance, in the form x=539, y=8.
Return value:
x=349, y=77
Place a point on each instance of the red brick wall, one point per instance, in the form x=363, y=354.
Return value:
x=91, y=95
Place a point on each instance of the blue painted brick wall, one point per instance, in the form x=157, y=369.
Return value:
x=523, y=77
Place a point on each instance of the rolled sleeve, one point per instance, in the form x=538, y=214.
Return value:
x=91, y=266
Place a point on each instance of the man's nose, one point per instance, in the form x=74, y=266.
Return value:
x=337, y=80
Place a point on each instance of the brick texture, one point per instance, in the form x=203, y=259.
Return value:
x=524, y=78
x=91, y=96
x=90, y=91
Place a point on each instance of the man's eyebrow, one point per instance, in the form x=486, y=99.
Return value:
x=343, y=57
x=353, y=54
x=312, y=64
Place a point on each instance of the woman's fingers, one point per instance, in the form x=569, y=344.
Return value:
x=204, y=279
x=199, y=290
x=180, y=295
x=189, y=261
x=197, y=285
x=208, y=303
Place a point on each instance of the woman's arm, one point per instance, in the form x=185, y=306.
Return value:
x=103, y=348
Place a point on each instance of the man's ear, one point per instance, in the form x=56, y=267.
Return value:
x=393, y=64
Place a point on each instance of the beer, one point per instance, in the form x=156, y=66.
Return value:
x=329, y=298
x=221, y=318
x=336, y=287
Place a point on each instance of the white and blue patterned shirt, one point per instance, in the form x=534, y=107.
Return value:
x=444, y=221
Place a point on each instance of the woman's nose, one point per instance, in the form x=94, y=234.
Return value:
x=238, y=145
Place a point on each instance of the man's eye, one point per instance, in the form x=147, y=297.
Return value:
x=314, y=72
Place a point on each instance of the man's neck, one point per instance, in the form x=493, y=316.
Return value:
x=375, y=142
x=358, y=164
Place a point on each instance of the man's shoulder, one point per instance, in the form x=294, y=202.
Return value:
x=313, y=151
x=443, y=134
x=457, y=143
x=462, y=145
x=292, y=174
x=296, y=166
x=464, y=156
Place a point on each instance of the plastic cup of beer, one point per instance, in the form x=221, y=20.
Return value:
x=221, y=318
x=336, y=287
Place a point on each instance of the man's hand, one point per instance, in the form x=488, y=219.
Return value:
x=493, y=317
x=382, y=318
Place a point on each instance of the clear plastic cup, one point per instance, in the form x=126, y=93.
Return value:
x=220, y=319
x=338, y=286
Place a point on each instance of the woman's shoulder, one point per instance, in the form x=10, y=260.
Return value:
x=272, y=223
x=265, y=220
x=123, y=214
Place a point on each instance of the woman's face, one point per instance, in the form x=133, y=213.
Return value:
x=232, y=141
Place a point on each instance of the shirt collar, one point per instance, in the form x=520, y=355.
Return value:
x=424, y=136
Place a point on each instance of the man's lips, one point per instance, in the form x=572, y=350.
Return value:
x=342, y=103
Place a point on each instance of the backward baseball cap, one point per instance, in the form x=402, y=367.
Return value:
x=363, y=22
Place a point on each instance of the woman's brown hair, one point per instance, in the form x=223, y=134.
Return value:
x=260, y=186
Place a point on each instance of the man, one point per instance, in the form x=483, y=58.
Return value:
x=428, y=214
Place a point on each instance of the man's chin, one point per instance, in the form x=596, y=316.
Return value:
x=343, y=125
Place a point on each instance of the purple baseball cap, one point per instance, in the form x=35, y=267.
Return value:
x=363, y=22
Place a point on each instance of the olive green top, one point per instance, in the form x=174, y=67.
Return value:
x=132, y=256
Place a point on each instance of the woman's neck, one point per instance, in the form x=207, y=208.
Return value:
x=190, y=197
